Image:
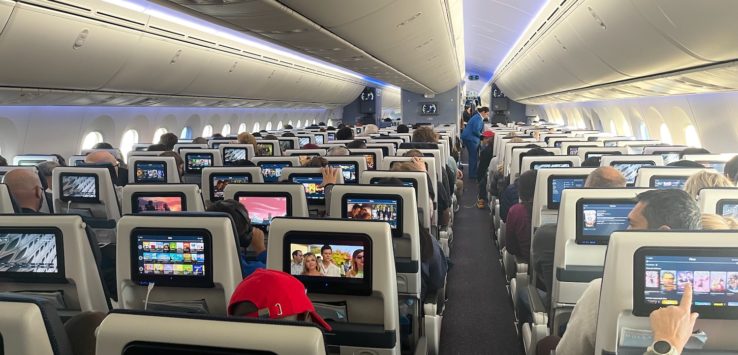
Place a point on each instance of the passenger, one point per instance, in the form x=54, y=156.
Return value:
x=200, y=140
x=369, y=129
x=297, y=264
x=517, y=235
x=510, y=195
x=443, y=194
x=276, y=295
x=177, y=160
x=3, y=161
x=168, y=140
x=605, y=177
x=257, y=135
x=485, y=157
x=731, y=169
x=345, y=133
x=288, y=126
x=693, y=151
x=317, y=162
x=357, y=264
x=402, y=128
x=425, y=134
x=25, y=187
x=674, y=324
x=271, y=137
x=356, y=144
x=686, y=164
x=327, y=265
x=249, y=237
x=103, y=145
x=217, y=136
x=471, y=137
x=337, y=152
x=46, y=172
x=310, y=266
x=591, y=162
x=156, y=148
x=705, y=179
x=103, y=157
x=288, y=135
x=247, y=138
x=655, y=210
x=310, y=146
x=717, y=222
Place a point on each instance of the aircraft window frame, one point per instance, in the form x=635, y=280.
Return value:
x=207, y=131
x=226, y=131
x=158, y=133
x=644, y=131
x=257, y=127
x=92, y=138
x=127, y=141
x=692, y=137
x=665, y=134
x=186, y=132
x=330, y=122
x=268, y=126
x=241, y=128
x=280, y=125
x=613, y=128
x=299, y=124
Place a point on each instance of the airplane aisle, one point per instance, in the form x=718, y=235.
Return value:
x=478, y=318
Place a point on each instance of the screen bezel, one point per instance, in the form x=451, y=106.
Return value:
x=188, y=168
x=642, y=163
x=375, y=181
x=259, y=164
x=30, y=277
x=290, y=141
x=230, y=162
x=256, y=148
x=352, y=163
x=587, y=155
x=367, y=162
x=136, y=195
x=580, y=238
x=550, y=204
x=653, y=178
x=331, y=285
x=173, y=280
x=136, y=167
x=579, y=146
x=211, y=185
x=643, y=309
x=544, y=162
x=65, y=198
x=721, y=204
x=287, y=195
x=396, y=232
x=317, y=201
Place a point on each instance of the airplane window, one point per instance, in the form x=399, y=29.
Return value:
x=207, y=131
x=226, y=129
x=257, y=126
x=628, y=130
x=307, y=123
x=693, y=139
x=330, y=122
x=314, y=121
x=665, y=134
x=290, y=123
x=242, y=128
x=126, y=143
x=280, y=125
x=644, y=131
x=298, y=124
x=613, y=130
x=157, y=134
x=91, y=139
x=186, y=133
x=269, y=126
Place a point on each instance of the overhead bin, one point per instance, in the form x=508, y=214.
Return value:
x=6, y=7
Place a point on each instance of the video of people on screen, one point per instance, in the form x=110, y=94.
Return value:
x=272, y=172
x=151, y=172
x=199, y=161
x=221, y=181
x=263, y=209
x=372, y=210
x=159, y=204
x=264, y=149
x=332, y=260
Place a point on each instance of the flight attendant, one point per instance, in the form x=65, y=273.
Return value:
x=471, y=136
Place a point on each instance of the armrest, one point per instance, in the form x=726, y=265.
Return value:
x=579, y=273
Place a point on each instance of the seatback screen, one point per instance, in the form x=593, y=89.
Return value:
x=264, y=149
x=717, y=165
x=150, y=172
x=286, y=144
x=669, y=157
x=728, y=208
x=319, y=139
x=349, y=171
x=31, y=254
x=303, y=141
x=79, y=187
x=195, y=162
x=370, y=160
x=153, y=203
x=549, y=165
x=314, y=193
x=171, y=257
x=263, y=208
x=271, y=171
x=668, y=182
x=234, y=154
x=598, y=218
x=220, y=181
x=373, y=209
x=630, y=169
x=558, y=183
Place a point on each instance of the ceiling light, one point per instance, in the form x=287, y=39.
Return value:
x=538, y=14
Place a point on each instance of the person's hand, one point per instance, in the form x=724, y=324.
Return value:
x=459, y=174
x=330, y=176
x=258, y=245
x=418, y=163
x=675, y=323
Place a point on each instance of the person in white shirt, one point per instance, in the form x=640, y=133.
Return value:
x=327, y=267
x=296, y=265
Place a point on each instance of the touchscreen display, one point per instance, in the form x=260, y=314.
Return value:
x=232, y=155
x=728, y=208
x=195, y=162
x=717, y=165
x=348, y=169
x=27, y=162
x=272, y=171
x=168, y=259
x=663, y=273
x=597, y=220
x=286, y=145
x=314, y=193
x=669, y=157
x=79, y=187
x=158, y=204
x=263, y=208
x=151, y=172
x=630, y=170
x=264, y=149
x=373, y=210
x=543, y=165
x=319, y=139
x=668, y=182
x=220, y=181
x=31, y=252
x=599, y=154
x=331, y=136
x=559, y=184
x=370, y=160
x=303, y=141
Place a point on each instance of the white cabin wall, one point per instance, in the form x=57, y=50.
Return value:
x=61, y=129
x=714, y=116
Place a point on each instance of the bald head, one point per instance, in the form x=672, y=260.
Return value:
x=25, y=187
x=605, y=177
x=101, y=157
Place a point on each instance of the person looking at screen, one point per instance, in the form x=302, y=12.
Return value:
x=344, y=134
x=297, y=264
x=471, y=136
x=156, y=148
x=712, y=221
x=337, y=152
x=357, y=264
x=403, y=129
x=356, y=144
x=655, y=210
x=276, y=295
x=310, y=266
x=103, y=145
x=485, y=157
x=25, y=188
x=517, y=235
x=510, y=195
x=731, y=169
x=3, y=161
x=249, y=237
x=705, y=179
x=369, y=129
x=177, y=160
x=247, y=138
x=46, y=172
x=693, y=151
x=200, y=140
x=168, y=140
x=327, y=266
x=103, y=157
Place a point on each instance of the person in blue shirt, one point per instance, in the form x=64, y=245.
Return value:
x=249, y=237
x=471, y=135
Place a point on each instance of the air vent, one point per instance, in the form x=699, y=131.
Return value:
x=105, y=14
x=270, y=58
x=202, y=40
x=66, y=3
x=147, y=101
x=229, y=48
x=167, y=31
x=411, y=19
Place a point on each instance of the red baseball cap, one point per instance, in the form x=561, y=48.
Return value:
x=488, y=134
x=310, y=146
x=277, y=292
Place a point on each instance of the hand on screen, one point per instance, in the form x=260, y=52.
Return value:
x=418, y=163
x=330, y=176
x=675, y=323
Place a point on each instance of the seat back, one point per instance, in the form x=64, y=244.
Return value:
x=507, y=154
x=179, y=146
x=713, y=161
x=271, y=172
x=543, y=163
x=222, y=272
x=373, y=156
x=432, y=170
x=387, y=147
x=162, y=198
x=264, y=147
x=197, y=159
x=542, y=213
x=64, y=255
x=372, y=310
x=115, y=152
x=32, y=159
x=296, y=204
x=721, y=201
x=214, y=180
x=401, y=203
x=31, y=325
x=151, y=332
x=77, y=160
x=152, y=170
x=664, y=177
x=88, y=191
x=572, y=148
x=518, y=154
x=684, y=251
x=352, y=167
x=585, y=152
x=6, y=202
x=420, y=182
x=287, y=143
x=235, y=152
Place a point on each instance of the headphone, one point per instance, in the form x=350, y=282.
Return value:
x=232, y=205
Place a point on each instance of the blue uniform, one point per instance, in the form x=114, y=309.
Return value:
x=471, y=136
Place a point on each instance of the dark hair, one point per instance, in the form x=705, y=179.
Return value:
x=3, y=161
x=271, y=137
x=591, y=162
x=157, y=148
x=216, y=136
x=295, y=252
x=345, y=133
x=403, y=129
x=356, y=144
x=483, y=109
x=288, y=135
x=693, y=151
x=671, y=207
x=243, y=162
x=103, y=145
x=331, y=128
x=317, y=162
x=325, y=247
x=686, y=164
x=321, y=123
x=288, y=126
x=256, y=134
x=239, y=216
x=168, y=140
x=390, y=181
x=527, y=188
x=177, y=158
x=731, y=169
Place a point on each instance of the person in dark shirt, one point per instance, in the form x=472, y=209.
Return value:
x=517, y=236
x=3, y=161
x=25, y=187
x=485, y=157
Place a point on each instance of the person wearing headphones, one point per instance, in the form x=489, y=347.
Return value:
x=248, y=237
